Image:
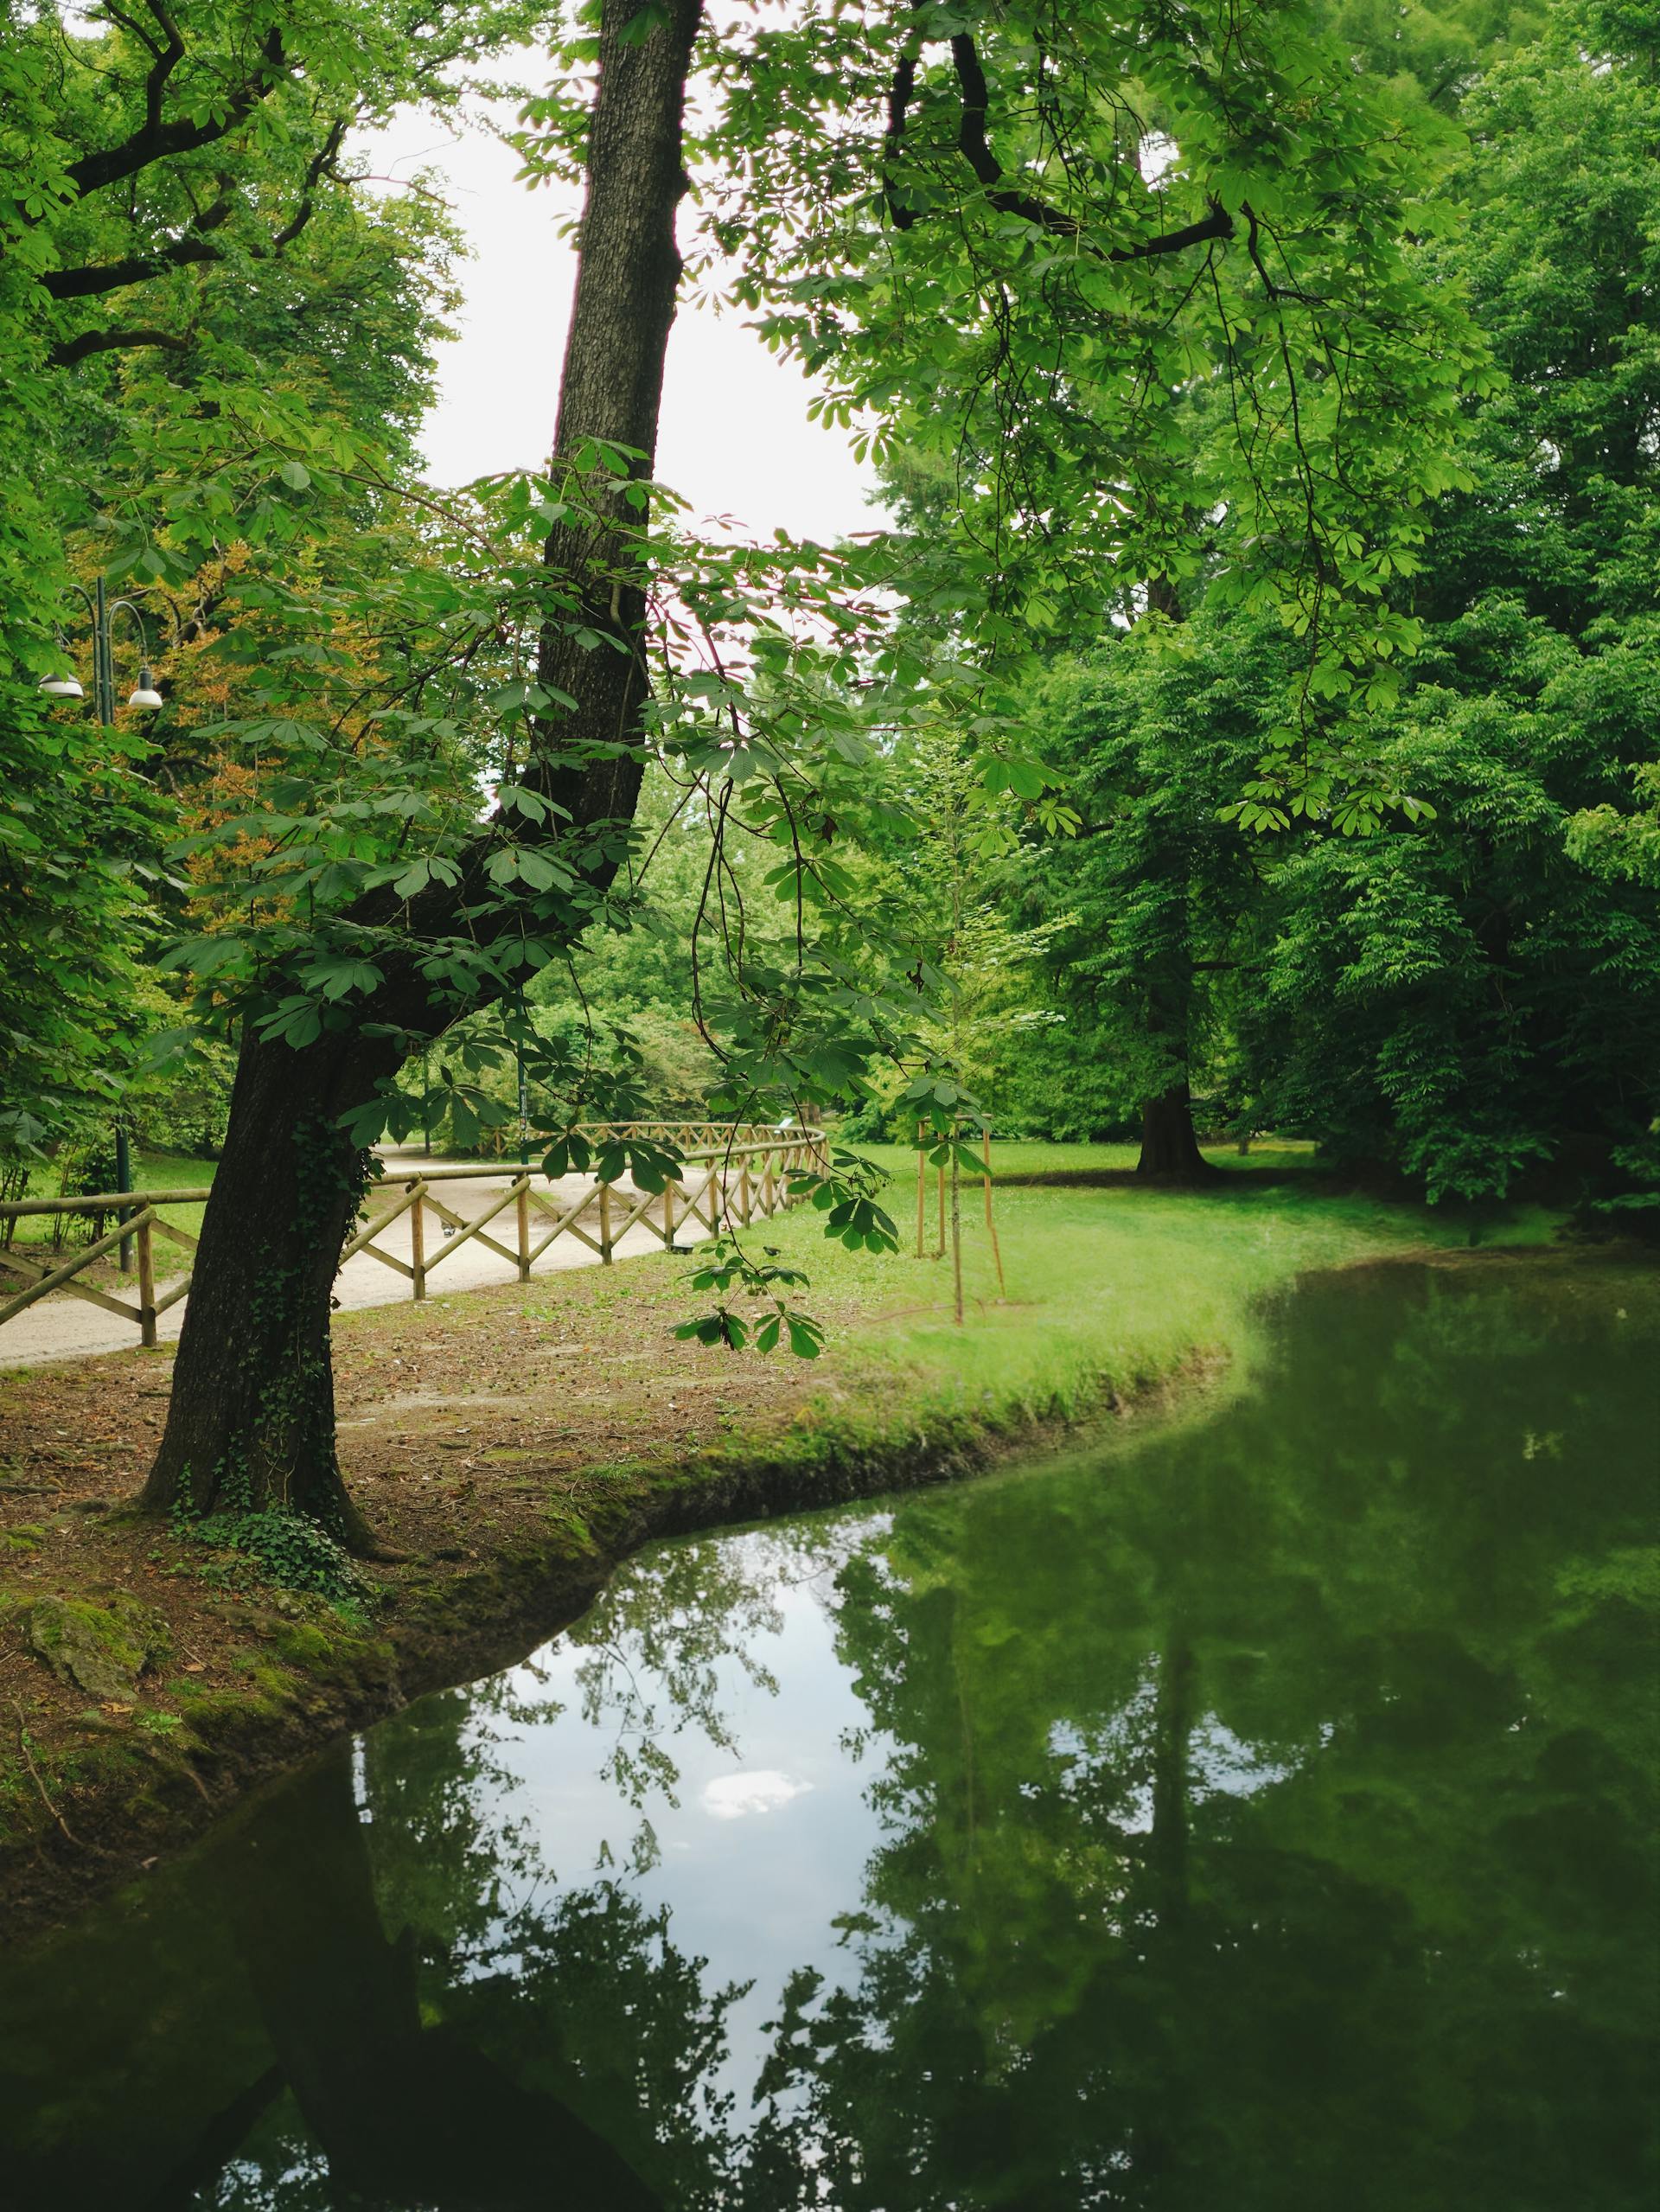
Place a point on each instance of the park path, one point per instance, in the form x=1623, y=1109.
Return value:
x=63, y=1327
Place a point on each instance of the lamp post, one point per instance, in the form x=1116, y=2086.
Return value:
x=123, y=1182
x=66, y=684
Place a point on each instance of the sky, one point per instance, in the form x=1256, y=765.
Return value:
x=736, y=440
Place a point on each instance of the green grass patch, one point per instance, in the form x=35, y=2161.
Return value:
x=1021, y=1157
x=151, y=1171
x=1108, y=1289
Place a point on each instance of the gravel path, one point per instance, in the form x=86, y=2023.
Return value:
x=62, y=1326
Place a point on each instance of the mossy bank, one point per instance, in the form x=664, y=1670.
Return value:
x=515, y=1443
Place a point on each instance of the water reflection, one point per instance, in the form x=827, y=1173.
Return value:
x=1259, y=1814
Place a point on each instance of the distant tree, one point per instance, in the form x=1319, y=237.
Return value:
x=1158, y=901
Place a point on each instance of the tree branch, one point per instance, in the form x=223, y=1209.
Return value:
x=71, y=350
x=973, y=145
x=168, y=59
x=138, y=268
x=321, y=162
x=155, y=140
x=899, y=95
x=110, y=276
x=976, y=148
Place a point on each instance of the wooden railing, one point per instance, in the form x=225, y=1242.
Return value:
x=692, y=1136
x=502, y=1143
x=735, y=1175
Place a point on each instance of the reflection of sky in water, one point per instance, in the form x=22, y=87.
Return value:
x=768, y=1835
x=1217, y=1762
x=766, y=1841
x=1222, y=1764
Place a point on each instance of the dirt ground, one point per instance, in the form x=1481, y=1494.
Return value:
x=466, y=1425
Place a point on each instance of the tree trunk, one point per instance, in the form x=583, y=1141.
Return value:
x=1169, y=1151
x=610, y=387
x=251, y=1421
x=251, y=1418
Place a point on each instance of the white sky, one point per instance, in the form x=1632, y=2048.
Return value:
x=736, y=439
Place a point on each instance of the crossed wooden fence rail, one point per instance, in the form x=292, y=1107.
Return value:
x=730, y=1175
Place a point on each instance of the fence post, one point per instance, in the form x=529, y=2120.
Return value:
x=743, y=1193
x=146, y=1283
x=524, y=1227
x=668, y=1217
x=417, y=1241
x=605, y=1224
x=766, y=1184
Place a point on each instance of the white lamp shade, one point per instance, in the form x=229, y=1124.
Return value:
x=64, y=686
x=146, y=695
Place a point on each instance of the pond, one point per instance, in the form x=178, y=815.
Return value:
x=1255, y=1811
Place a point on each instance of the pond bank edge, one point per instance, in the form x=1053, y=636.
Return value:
x=137, y=1799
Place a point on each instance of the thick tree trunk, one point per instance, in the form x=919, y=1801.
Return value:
x=1169, y=1151
x=251, y=1421
x=251, y=1418
x=610, y=387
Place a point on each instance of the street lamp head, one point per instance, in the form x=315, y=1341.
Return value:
x=146, y=695
x=66, y=685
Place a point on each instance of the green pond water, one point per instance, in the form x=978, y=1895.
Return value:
x=1255, y=1811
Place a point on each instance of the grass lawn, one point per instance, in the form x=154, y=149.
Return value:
x=1022, y=1157
x=151, y=1171
x=1108, y=1289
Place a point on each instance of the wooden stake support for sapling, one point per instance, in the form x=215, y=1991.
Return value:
x=955, y=1213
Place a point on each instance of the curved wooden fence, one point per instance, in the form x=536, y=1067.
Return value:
x=732, y=1176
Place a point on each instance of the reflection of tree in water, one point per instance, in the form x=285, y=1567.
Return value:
x=397, y=2009
x=1266, y=1821
x=1268, y=1816
x=511, y=2031
x=666, y=1638
x=657, y=1641
x=528, y=2027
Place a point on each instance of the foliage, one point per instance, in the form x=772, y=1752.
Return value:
x=193, y=158
x=1479, y=990
x=1468, y=995
x=1043, y=311
x=292, y=1551
x=73, y=819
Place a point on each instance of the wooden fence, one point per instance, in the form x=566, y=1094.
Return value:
x=685, y=1136
x=730, y=1175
